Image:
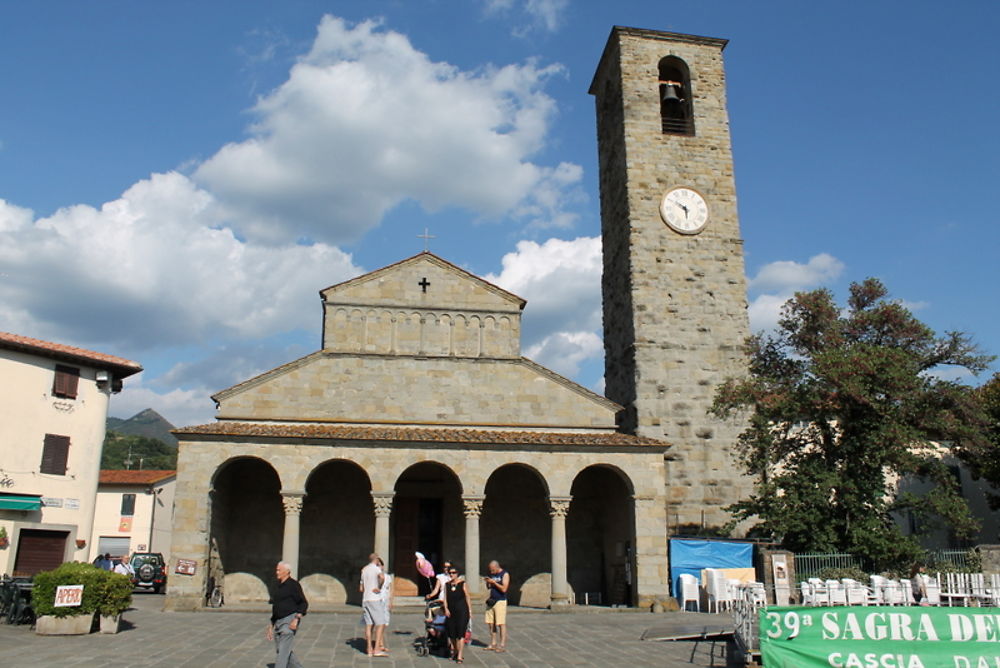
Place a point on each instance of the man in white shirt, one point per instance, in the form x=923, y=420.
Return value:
x=372, y=606
x=124, y=568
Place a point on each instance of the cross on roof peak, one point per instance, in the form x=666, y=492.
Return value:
x=426, y=236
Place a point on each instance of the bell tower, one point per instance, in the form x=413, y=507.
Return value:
x=675, y=312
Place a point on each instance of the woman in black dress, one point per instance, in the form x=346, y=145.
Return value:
x=456, y=609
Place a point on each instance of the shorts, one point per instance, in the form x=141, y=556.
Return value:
x=374, y=613
x=497, y=615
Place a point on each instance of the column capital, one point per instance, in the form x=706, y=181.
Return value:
x=472, y=505
x=383, y=503
x=292, y=501
x=559, y=506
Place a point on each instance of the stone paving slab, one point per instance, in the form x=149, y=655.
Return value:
x=158, y=639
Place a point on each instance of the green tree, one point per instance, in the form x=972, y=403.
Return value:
x=983, y=458
x=154, y=453
x=841, y=406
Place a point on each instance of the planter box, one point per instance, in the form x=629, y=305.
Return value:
x=110, y=624
x=47, y=625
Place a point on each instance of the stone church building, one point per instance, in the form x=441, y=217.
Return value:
x=418, y=426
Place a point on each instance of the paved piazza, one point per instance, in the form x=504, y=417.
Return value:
x=222, y=639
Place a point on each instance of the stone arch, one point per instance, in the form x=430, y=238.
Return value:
x=675, y=94
x=408, y=332
x=426, y=517
x=337, y=531
x=515, y=529
x=437, y=334
x=600, y=535
x=247, y=524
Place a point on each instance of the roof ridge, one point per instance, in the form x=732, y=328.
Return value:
x=21, y=342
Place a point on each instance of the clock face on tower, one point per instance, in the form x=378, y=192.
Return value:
x=684, y=210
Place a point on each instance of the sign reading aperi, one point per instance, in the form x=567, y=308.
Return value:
x=68, y=596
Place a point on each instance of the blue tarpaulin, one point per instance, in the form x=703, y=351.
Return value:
x=691, y=556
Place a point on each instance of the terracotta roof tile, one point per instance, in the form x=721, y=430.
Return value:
x=417, y=434
x=18, y=342
x=146, y=477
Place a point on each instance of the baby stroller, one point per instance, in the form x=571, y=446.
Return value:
x=434, y=641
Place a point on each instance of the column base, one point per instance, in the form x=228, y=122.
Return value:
x=559, y=602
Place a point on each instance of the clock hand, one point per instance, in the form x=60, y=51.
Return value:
x=685, y=209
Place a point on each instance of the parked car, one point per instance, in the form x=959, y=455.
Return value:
x=150, y=571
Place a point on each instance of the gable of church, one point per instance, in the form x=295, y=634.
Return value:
x=331, y=387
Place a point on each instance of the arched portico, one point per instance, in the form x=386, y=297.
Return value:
x=247, y=525
x=337, y=528
x=515, y=528
x=426, y=517
x=600, y=530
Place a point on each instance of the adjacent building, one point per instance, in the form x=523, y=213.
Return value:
x=133, y=513
x=55, y=400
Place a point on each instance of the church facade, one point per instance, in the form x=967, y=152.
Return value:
x=418, y=426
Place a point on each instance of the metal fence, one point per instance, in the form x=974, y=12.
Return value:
x=810, y=565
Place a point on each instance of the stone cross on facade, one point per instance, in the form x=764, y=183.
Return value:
x=424, y=284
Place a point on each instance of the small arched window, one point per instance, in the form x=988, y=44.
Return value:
x=676, y=110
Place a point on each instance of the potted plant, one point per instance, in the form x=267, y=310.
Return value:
x=66, y=620
x=115, y=597
x=3, y=538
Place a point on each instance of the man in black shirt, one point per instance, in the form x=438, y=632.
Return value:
x=288, y=606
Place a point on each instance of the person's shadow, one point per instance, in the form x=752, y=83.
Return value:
x=357, y=644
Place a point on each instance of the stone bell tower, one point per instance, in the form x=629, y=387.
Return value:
x=675, y=312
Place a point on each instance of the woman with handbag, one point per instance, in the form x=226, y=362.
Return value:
x=456, y=610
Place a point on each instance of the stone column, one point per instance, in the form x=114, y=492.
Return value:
x=383, y=509
x=473, y=507
x=290, y=543
x=558, y=508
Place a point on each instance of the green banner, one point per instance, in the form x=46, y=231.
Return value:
x=880, y=637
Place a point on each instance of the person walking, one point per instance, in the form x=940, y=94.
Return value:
x=288, y=607
x=373, y=612
x=386, y=594
x=456, y=610
x=497, y=582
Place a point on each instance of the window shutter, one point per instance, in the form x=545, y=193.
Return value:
x=66, y=382
x=55, y=453
x=128, y=505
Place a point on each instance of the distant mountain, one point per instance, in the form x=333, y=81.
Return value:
x=146, y=423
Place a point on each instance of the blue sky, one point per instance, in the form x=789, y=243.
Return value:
x=178, y=180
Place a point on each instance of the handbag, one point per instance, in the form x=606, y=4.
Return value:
x=468, y=633
x=490, y=602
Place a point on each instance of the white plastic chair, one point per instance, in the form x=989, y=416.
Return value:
x=906, y=587
x=857, y=593
x=689, y=591
x=821, y=595
x=892, y=593
x=878, y=583
x=806, y=592
x=717, y=590
x=836, y=592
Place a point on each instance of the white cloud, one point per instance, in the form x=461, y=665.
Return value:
x=365, y=121
x=540, y=14
x=561, y=281
x=777, y=282
x=788, y=276
x=564, y=352
x=154, y=268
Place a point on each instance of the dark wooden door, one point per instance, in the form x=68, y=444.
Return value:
x=39, y=550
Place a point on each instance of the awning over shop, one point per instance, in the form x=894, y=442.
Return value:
x=20, y=502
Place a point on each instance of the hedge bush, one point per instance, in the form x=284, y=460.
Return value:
x=103, y=591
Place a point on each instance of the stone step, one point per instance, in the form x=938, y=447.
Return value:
x=409, y=602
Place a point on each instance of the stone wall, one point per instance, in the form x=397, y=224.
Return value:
x=358, y=388
x=675, y=317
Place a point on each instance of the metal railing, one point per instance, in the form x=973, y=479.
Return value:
x=810, y=565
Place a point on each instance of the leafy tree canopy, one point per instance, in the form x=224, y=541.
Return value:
x=154, y=453
x=984, y=460
x=841, y=407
